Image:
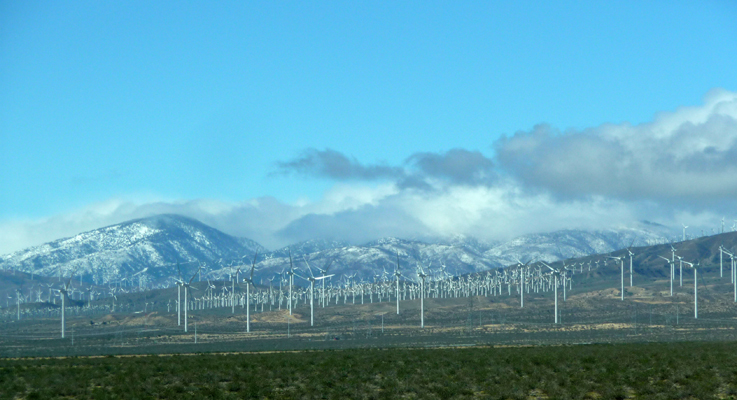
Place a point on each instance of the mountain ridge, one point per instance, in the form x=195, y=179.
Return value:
x=146, y=251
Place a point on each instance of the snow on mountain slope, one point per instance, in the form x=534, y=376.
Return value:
x=118, y=252
x=565, y=244
x=145, y=252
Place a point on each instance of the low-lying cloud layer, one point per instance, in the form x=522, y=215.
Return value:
x=682, y=166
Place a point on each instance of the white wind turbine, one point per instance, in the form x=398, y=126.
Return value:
x=523, y=272
x=249, y=282
x=233, y=279
x=291, y=280
x=734, y=278
x=671, y=265
x=186, y=287
x=631, y=254
x=64, y=292
x=555, y=285
x=113, y=297
x=179, y=282
x=673, y=260
x=521, y=277
x=422, y=275
x=323, y=272
x=397, y=274
x=566, y=279
x=696, y=268
x=312, y=280
x=18, y=296
x=684, y=231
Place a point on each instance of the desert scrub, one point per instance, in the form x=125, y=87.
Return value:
x=656, y=370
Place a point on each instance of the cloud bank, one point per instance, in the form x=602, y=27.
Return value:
x=681, y=166
x=686, y=158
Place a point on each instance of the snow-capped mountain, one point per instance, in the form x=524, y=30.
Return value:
x=145, y=252
x=566, y=244
x=121, y=252
x=374, y=260
x=307, y=247
x=455, y=256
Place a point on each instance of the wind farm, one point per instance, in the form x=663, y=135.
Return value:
x=530, y=307
x=577, y=300
x=373, y=200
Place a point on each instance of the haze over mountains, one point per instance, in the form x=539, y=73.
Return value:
x=145, y=252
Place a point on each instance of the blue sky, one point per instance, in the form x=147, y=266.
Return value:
x=111, y=110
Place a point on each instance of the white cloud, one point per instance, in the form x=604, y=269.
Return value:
x=498, y=213
x=259, y=219
x=681, y=167
x=685, y=156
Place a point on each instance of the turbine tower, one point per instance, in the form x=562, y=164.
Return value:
x=422, y=276
x=233, y=279
x=631, y=254
x=696, y=268
x=64, y=292
x=249, y=282
x=186, y=287
x=323, y=272
x=312, y=280
x=397, y=274
x=684, y=231
x=670, y=264
x=555, y=274
x=291, y=280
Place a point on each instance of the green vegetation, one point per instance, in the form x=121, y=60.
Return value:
x=653, y=371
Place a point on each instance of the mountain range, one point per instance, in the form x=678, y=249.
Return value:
x=151, y=252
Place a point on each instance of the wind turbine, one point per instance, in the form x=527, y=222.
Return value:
x=312, y=280
x=684, y=231
x=141, y=277
x=232, y=290
x=18, y=296
x=249, y=282
x=670, y=263
x=291, y=280
x=631, y=254
x=696, y=268
x=64, y=292
x=733, y=277
x=179, y=282
x=422, y=275
x=323, y=272
x=114, y=297
x=732, y=263
x=555, y=276
x=522, y=274
x=187, y=286
x=397, y=274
